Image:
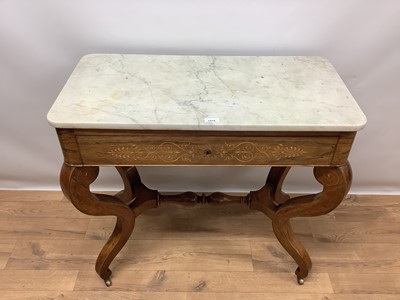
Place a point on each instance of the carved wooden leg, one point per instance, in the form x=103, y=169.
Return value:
x=75, y=183
x=336, y=182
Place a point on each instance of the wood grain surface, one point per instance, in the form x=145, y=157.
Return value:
x=158, y=148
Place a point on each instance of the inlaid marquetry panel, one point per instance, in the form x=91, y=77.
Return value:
x=205, y=150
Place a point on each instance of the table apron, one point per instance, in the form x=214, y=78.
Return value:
x=125, y=148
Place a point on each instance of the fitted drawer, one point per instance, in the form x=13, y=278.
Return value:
x=141, y=149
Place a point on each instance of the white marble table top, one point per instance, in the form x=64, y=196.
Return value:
x=243, y=93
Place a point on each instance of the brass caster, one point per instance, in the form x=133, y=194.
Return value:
x=108, y=282
x=300, y=281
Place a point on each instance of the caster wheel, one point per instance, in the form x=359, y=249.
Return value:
x=300, y=281
x=108, y=282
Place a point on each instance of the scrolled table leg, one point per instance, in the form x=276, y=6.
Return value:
x=336, y=182
x=75, y=182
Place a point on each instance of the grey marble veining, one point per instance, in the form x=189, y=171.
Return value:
x=273, y=93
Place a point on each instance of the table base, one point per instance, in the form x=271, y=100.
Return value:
x=137, y=198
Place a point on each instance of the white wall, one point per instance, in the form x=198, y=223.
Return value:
x=41, y=41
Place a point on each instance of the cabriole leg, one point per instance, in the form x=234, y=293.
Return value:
x=336, y=182
x=75, y=182
x=277, y=205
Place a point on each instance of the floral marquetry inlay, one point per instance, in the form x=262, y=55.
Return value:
x=166, y=151
x=244, y=152
x=248, y=151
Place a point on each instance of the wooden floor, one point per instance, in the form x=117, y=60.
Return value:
x=48, y=250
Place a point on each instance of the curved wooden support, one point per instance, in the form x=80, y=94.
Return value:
x=336, y=182
x=270, y=195
x=126, y=194
x=138, y=196
x=276, y=177
x=75, y=182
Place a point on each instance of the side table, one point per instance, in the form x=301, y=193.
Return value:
x=170, y=110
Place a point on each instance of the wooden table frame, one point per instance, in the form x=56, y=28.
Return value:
x=85, y=150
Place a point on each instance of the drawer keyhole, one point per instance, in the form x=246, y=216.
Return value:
x=207, y=152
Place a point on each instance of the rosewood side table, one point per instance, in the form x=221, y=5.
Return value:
x=155, y=110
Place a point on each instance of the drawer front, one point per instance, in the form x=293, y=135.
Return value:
x=142, y=150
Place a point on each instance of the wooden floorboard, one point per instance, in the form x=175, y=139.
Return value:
x=37, y=280
x=90, y=295
x=287, y=296
x=6, y=247
x=48, y=250
x=204, y=281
